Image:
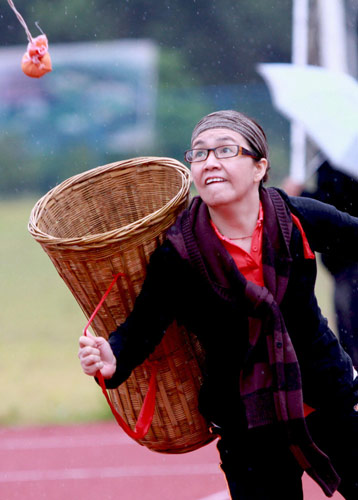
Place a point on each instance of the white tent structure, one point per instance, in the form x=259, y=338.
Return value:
x=332, y=45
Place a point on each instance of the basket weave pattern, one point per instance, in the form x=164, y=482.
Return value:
x=109, y=220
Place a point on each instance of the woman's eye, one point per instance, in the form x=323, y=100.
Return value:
x=199, y=154
x=226, y=150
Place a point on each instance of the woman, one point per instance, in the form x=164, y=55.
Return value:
x=238, y=270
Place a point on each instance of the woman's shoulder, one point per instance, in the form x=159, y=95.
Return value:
x=302, y=204
x=315, y=213
x=164, y=252
x=327, y=228
x=166, y=259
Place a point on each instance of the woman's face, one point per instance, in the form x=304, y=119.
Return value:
x=229, y=180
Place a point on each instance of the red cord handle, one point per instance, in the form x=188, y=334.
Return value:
x=147, y=411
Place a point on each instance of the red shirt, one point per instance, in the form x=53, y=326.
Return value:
x=249, y=264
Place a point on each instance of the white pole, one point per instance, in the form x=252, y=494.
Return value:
x=332, y=35
x=352, y=37
x=299, y=56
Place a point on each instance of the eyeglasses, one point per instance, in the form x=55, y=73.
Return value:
x=227, y=151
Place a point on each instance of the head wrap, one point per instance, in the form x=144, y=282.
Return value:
x=238, y=122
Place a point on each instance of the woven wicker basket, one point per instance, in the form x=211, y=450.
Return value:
x=109, y=220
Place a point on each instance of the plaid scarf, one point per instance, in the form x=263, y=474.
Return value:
x=270, y=380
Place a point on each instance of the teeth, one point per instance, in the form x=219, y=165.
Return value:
x=214, y=179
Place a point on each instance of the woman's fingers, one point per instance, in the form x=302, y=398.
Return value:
x=91, y=364
x=89, y=355
x=96, y=354
x=90, y=359
x=86, y=340
x=86, y=351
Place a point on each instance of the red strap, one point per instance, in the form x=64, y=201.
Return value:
x=307, y=409
x=306, y=246
x=147, y=411
x=308, y=255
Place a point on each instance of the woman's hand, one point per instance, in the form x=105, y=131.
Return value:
x=95, y=354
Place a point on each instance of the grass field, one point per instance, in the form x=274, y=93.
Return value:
x=40, y=323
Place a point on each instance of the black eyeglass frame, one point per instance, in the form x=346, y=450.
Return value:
x=241, y=151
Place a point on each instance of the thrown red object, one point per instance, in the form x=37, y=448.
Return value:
x=36, y=61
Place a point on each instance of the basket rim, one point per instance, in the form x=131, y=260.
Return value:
x=117, y=234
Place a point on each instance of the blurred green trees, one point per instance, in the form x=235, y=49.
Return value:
x=219, y=41
x=208, y=56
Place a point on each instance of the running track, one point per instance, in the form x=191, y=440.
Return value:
x=98, y=461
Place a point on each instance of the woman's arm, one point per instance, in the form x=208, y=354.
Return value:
x=329, y=231
x=154, y=310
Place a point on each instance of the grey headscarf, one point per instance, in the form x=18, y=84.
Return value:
x=240, y=123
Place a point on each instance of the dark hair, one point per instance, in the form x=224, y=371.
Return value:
x=240, y=123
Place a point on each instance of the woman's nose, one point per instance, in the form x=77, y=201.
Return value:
x=211, y=160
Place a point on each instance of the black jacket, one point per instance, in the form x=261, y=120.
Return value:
x=173, y=288
x=340, y=190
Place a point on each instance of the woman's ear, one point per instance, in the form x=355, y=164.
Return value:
x=261, y=167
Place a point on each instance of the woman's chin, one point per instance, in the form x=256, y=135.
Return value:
x=216, y=200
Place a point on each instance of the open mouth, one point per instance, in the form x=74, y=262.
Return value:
x=213, y=180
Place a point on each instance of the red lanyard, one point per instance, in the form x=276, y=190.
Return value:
x=147, y=411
